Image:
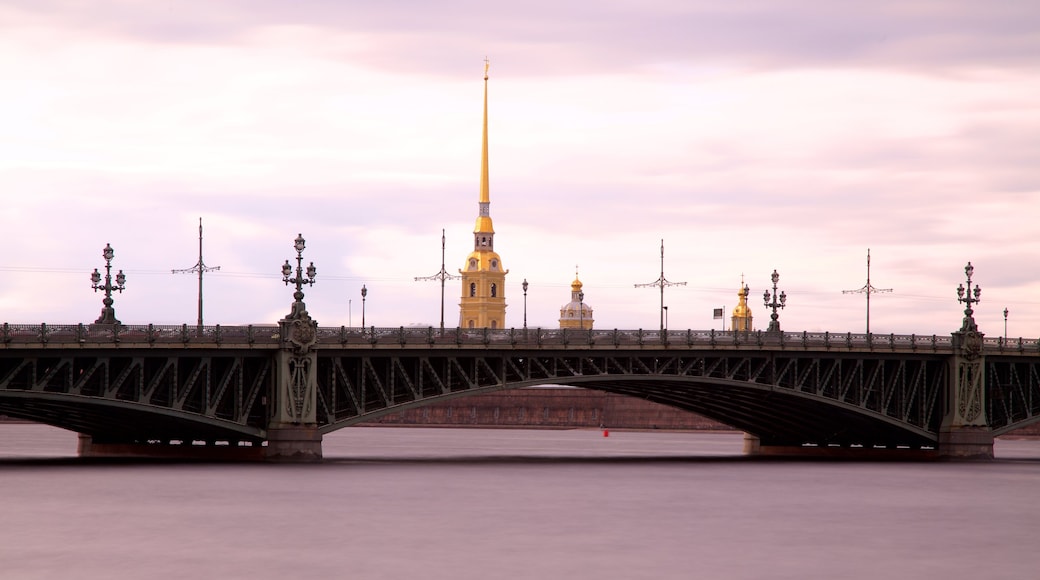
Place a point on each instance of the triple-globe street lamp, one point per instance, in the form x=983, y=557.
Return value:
x=299, y=309
x=965, y=296
x=108, y=314
x=777, y=301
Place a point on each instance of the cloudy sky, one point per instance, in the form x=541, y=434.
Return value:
x=749, y=136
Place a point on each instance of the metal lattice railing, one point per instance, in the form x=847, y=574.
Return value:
x=260, y=335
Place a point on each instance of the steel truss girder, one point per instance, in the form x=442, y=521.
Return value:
x=133, y=396
x=1012, y=393
x=791, y=395
x=902, y=392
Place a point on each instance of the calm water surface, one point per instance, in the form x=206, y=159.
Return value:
x=416, y=503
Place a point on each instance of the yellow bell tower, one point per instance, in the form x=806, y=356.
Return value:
x=742, y=318
x=483, y=303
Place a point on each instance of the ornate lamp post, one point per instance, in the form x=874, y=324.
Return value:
x=299, y=309
x=778, y=301
x=108, y=314
x=665, y=319
x=1005, y=324
x=364, y=292
x=581, y=310
x=292, y=427
x=747, y=312
x=525, y=303
x=966, y=297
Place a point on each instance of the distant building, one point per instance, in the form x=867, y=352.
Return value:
x=483, y=301
x=576, y=313
x=742, y=319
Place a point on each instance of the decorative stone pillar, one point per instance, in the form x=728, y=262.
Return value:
x=965, y=432
x=292, y=433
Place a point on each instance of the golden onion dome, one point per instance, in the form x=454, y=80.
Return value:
x=741, y=310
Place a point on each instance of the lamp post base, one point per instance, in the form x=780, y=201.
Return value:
x=108, y=316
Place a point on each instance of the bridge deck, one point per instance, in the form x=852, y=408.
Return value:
x=19, y=336
x=182, y=382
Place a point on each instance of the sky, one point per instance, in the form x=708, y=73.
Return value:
x=749, y=136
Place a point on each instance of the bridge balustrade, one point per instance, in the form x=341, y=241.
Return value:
x=29, y=335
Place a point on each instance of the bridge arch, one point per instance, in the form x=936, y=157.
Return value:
x=113, y=420
x=776, y=416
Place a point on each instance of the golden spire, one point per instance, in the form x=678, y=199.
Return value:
x=484, y=231
x=485, y=195
x=484, y=215
x=576, y=284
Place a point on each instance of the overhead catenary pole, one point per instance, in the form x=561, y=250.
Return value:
x=661, y=282
x=201, y=268
x=443, y=275
x=867, y=289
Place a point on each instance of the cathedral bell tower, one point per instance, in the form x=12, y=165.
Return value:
x=483, y=301
x=742, y=319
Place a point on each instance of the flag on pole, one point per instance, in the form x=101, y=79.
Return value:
x=717, y=314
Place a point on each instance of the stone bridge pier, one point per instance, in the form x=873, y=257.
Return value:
x=292, y=431
x=965, y=433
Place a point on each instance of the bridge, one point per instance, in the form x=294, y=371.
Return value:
x=272, y=391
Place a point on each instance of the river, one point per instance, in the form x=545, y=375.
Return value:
x=438, y=503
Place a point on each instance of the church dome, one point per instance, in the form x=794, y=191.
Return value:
x=576, y=313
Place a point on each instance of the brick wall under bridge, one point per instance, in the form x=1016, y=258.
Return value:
x=553, y=407
x=568, y=408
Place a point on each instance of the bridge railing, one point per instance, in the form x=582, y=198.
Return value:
x=13, y=335
x=577, y=338
x=28, y=334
